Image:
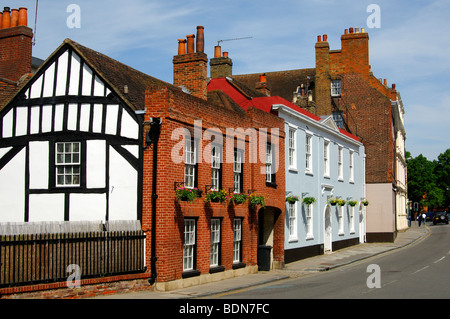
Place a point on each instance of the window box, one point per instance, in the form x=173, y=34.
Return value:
x=292, y=199
x=216, y=196
x=238, y=198
x=186, y=194
x=308, y=200
x=256, y=199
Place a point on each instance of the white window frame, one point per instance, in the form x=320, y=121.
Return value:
x=215, y=242
x=308, y=153
x=237, y=240
x=189, y=244
x=326, y=158
x=351, y=167
x=352, y=219
x=292, y=148
x=68, y=164
x=309, y=221
x=269, y=163
x=216, y=156
x=190, y=162
x=341, y=219
x=335, y=87
x=237, y=170
x=292, y=214
x=340, y=163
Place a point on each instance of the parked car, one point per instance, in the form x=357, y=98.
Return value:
x=430, y=216
x=440, y=217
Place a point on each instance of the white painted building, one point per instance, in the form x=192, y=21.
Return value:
x=322, y=162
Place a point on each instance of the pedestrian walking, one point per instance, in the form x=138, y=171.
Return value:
x=419, y=218
x=424, y=217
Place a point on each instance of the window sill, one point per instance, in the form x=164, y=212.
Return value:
x=309, y=237
x=293, y=169
x=293, y=240
x=190, y=273
x=271, y=184
x=239, y=265
x=309, y=173
x=215, y=269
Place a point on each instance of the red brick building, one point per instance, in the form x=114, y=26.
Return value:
x=238, y=229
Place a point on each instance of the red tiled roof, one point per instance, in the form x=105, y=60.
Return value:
x=243, y=99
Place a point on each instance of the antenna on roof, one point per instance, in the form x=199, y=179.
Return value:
x=218, y=42
x=35, y=22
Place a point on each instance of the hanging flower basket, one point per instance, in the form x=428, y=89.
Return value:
x=333, y=201
x=238, y=198
x=365, y=202
x=308, y=200
x=292, y=199
x=185, y=194
x=216, y=196
x=256, y=199
x=352, y=203
x=341, y=202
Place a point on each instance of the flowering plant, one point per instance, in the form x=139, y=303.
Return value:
x=365, y=202
x=308, y=200
x=291, y=199
x=216, y=196
x=186, y=194
x=341, y=202
x=256, y=199
x=238, y=198
x=333, y=201
x=352, y=202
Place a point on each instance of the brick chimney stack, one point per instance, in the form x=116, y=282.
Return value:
x=15, y=44
x=323, y=82
x=190, y=65
x=221, y=65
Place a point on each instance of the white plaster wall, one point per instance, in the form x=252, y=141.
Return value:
x=46, y=207
x=123, y=188
x=12, y=189
x=39, y=165
x=87, y=207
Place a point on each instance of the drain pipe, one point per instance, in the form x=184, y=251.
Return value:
x=152, y=138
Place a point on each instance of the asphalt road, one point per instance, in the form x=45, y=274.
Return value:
x=418, y=271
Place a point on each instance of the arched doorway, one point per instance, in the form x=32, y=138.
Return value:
x=328, y=230
x=362, y=224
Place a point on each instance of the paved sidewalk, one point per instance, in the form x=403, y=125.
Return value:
x=295, y=269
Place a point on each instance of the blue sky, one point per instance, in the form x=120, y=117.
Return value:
x=411, y=48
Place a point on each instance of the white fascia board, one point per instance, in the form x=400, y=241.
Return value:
x=287, y=110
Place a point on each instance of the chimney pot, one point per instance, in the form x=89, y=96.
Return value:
x=325, y=38
x=23, y=19
x=262, y=78
x=225, y=54
x=6, y=18
x=393, y=86
x=346, y=31
x=385, y=82
x=14, y=17
x=181, y=46
x=319, y=38
x=1, y=20
x=200, y=39
x=190, y=43
x=217, y=51
x=351, y=30
x=363, y=30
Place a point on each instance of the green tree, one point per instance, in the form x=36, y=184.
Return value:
x=442, y=173
x=422, y=182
